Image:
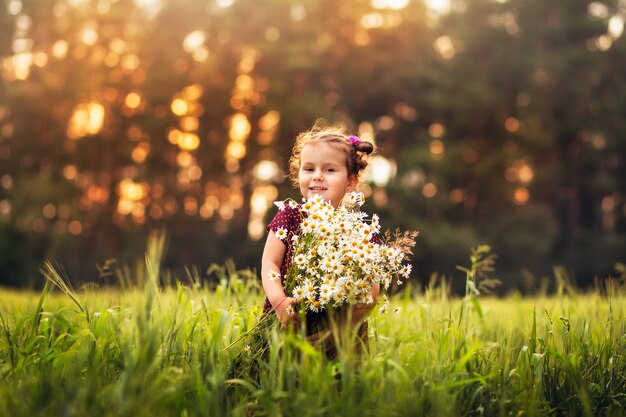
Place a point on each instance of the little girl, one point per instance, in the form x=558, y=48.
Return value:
x=327, y=162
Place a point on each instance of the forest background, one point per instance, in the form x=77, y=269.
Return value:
x=496, y=121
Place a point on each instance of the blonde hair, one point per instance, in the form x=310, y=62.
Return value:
x=356, y=153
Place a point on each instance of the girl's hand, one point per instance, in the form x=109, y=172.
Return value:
x=360, y=313
x=285, y=312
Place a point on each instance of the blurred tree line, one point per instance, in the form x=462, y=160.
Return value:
x=497, y=121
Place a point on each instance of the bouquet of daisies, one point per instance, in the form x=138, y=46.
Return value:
x=338, y=257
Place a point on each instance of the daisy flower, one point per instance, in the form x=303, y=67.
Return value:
x=273, y=276
x=324, y=299
x=281, y=233
x=300, y=260
x=298, y=293
x=328, y=264
x=305, y=226
x=352, y=298
x=325, y=289
x=309, y=288
x=316, y=199
x=313, y=304
x=339, y=296
x=375, y=220
x=406, y=270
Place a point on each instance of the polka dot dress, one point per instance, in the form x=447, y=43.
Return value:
x=288, y=219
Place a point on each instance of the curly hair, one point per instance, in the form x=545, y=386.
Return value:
x=356, y=153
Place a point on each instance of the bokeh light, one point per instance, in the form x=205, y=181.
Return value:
x=380, y=171
x=429, y=190
x=87, y=119
x=439, y=6
x=266, y=170
x=521, y=196
x=116, y=119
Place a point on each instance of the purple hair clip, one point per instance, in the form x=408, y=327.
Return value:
x=354, y=140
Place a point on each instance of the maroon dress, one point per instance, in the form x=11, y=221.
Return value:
x=289, y=219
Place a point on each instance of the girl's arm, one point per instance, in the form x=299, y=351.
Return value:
x=273, y=255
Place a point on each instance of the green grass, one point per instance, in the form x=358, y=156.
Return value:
x=178, y=351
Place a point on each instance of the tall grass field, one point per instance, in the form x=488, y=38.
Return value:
x=148, y=349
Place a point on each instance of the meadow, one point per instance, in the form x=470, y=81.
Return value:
x=186, y=348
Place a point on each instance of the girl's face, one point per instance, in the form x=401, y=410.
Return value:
x=323, y=171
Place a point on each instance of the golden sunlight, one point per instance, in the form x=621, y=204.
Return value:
x=616, y=26
x=130, y=190
x=270, y=120
x=87, y=119
x=89, y=34
x=97, y=194
x=59, y=49
x=390, y=4
x=133, y=100
x=21, y=64
x=140, y=153
x=236, y=150
x=438, y=6
x=372, y=21
x=14, y=7
x=5, y=208
x=525, y=174
x=193, y=41
x=189, y=123
x=184, y=159
x=266, y=170
x=179, y=107
x=437, y=149
x=445, y=47
x=188, y=141
x=152, y=6
x=224, y=3
x=511, y=124
x=130, y=63
x=193, y=92
x=437, y=130
x=244, y=82
x=521, y=196
x=519, y=171
x=239, y=128
x=429, y=190
x=260, y=202
x=173, y=135
x=268, y=124
x=380, y=170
